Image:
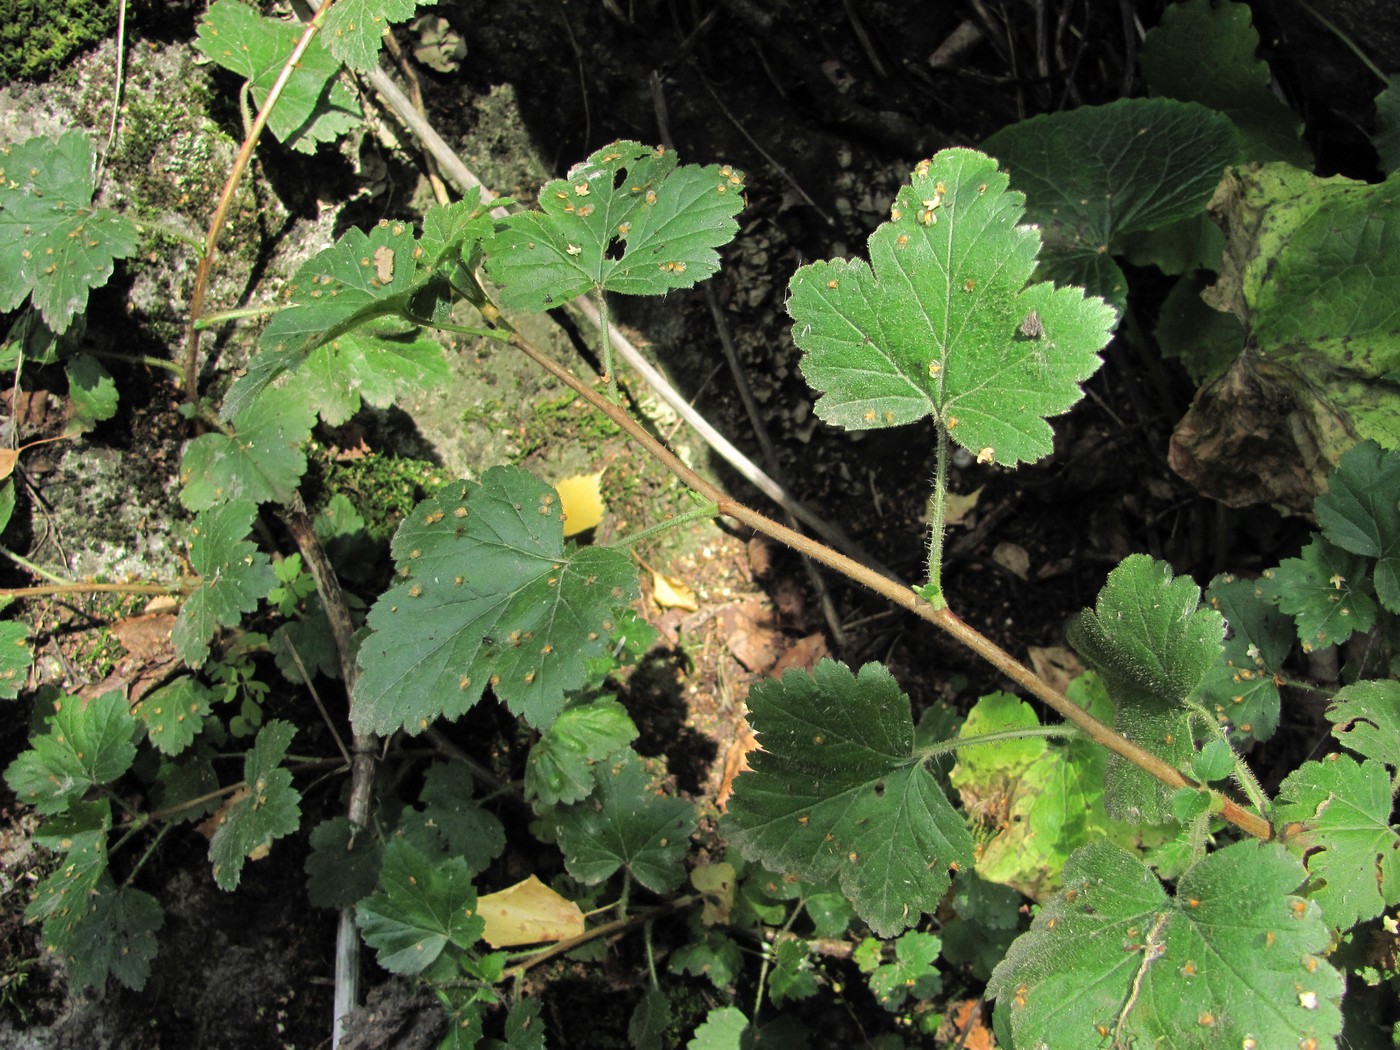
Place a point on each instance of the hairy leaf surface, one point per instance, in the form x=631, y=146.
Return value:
x=1096, y=174
x=174, y=714
x=1360, y=512
x=560, y=766
x=89, y=742
x=941, y=321
x=1233, y=959
x=1365, y=717
x=315, y=105
x=15, y=657
x=839, y=793
x=116, y=936
x=266, y=808
x=1240, y=688
x=261, y=461
x=626, y=220
x=55, y=246
x=234, y=577
x=626, y=824
x=1337, y=811
x=488, y=592
x=354, y=29
x=1152, y=644
x=421, y=907
x=1327, y=592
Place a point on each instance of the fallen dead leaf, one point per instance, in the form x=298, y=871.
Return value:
x=528, y=913
x=208, y=827
x=746, y=628
x=581, y=499
x=958, y=508
x=803, y=654
x=964, y=1027
x=715, y=883
x=1055, y=664
x=736, y=761
x=1013, y=558
x=670, y=593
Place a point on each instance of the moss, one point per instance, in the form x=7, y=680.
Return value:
x=566, y=418
x=38, y=36
x=382, y=488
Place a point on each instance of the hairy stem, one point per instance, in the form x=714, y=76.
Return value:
x=902, y=596
x=934, y=591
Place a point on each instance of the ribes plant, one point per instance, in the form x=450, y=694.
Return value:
x=1176, y=902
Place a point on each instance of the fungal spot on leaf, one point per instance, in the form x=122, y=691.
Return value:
x=529, y=677
x=968, y=285
x=833, y=283
x=934, y=367
x=870, y=416
x=415, y=591
x=460, y=512
x=987, y=455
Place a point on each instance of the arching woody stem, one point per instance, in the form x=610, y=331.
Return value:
x=902, y=596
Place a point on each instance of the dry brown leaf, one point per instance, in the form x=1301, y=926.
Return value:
x=736, y=761
x=1056, y=665
x=957, y=509
x=715, y=883
x=670, y=593
x=805, y=653
x=581, y=499
x=8, y=458
x=528, y=913
x=964, y=1027
x=217, y=818
x=1013, y=558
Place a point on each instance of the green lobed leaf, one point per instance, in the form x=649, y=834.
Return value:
x=315, y=105
x=310, y=638
x=791, y=977
x=234, y=577
x=912, y=973
x=55, y=246
x=1240, y=689
x=354, y=29
x=16, y=657
x=941, y=321
x=61, y=899
x=267, y=808
x=1365, y=717
x=1207, y=52
x=180, y=782
x=561, y=762
x=92, y=391
x=1337, y=813
x=840, y=793
x=711, y=955
x=1233, y=959
x=650, y=1019
x=1153, y=644
x=343, y=864
x=626, y=220
x=261, y=461
x=488, y=592
x=88, y=742
x=451, y=822
x=116, y=936
x=347, y=323
x=625, y=824
x=724, y=1028
x=1327, y=592
x=524, y=1030
x=1094, y=175
x=174, y=714
x=421, y=906
x=1360, y=512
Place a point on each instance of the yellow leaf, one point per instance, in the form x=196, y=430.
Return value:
x=528, y=913
x=581, y=498
x=8, y=458
x=716, y=885
x=671, y=593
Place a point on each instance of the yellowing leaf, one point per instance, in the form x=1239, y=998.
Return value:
x=528, y=913
x=716, y=885
x=581, y=497
x=671, y=593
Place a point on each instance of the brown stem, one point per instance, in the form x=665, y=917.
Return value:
x=93, y=588
x=216, y=225
x=900, y=595
x=605, y=930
